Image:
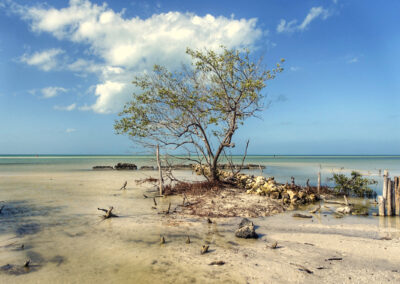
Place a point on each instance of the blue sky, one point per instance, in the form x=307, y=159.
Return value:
x=66, y=68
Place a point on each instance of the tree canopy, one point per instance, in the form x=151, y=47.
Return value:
x=198, y=107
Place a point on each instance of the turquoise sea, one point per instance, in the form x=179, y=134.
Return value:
x=281, y=167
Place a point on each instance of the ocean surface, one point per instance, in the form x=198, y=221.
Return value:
x=281, y=167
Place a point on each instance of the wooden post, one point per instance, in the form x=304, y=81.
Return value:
x=159, y=170
x=393, y=192
x=389, y=198
x=319, y=182
x=397, y=196
x=385, y=182
x=381, y=202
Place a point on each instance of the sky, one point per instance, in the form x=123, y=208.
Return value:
x=66, y=69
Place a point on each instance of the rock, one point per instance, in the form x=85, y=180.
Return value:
x=245, y=222
x=299, y=215
x=246, y=232
x=274, y=195
x=125, y=166
x=312, y=198
x=343, y=210
x=96, y=168
x=149, y=168
x=292, y=194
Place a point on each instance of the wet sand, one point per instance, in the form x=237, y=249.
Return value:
x=55, y=216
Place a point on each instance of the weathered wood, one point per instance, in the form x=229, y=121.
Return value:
x=109, y=213
x=319, y=183
x=204, y=249
x=385, y=182
x=124, y=186
x=299, y=215
x=393, y=195
x=397, y=195
x=381, y=202
x=389, y=211
x=345, y=200
x=161, y=182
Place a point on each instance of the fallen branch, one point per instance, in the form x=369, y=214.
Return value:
x=109, y=213
x=334, y=258
x=316, y=209
x=302, y=268
x=298, y=215
x=124, y=186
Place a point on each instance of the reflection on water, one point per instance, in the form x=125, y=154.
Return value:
x=51, y=218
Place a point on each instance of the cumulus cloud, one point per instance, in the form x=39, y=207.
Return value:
x=66, y=108
x=70, y=130
x=125, y=46
x=51, y=92
x=45, y=60
x=292, y=26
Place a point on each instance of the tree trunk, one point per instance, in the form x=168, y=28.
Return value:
x=214, y=172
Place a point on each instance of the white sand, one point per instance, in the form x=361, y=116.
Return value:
x=72, y=245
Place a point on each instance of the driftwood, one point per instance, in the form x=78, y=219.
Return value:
x=335, y=202
x=109, y=213
x=316, y=209
x=219, y=262
x=302, y=268
x=204, y=249
x=161, y=181
x=124, y=186
x=333, y=258
x=154, y=200
x=298, y=215
x=274, y=245
x=145, y=196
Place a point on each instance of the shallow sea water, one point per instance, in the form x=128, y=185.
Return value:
x=51, y=208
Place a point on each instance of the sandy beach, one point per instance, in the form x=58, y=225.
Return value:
x=55, y=217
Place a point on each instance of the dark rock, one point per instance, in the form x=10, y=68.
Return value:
x=102, y=168
x=245, y=222
x=149, y=168
x=125, y=166
x=246, y=232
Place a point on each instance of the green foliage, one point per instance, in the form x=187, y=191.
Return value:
x=198, y=105
x=354, y=185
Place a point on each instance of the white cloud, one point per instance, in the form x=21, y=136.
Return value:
x=51, y=92
x=45, y=60
x=125, y=46
x=353, y=60
x=70, y=130
x=66, y=108
x=294, y=68
x=314, y=13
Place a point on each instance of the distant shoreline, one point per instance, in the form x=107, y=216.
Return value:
x=133, y=155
